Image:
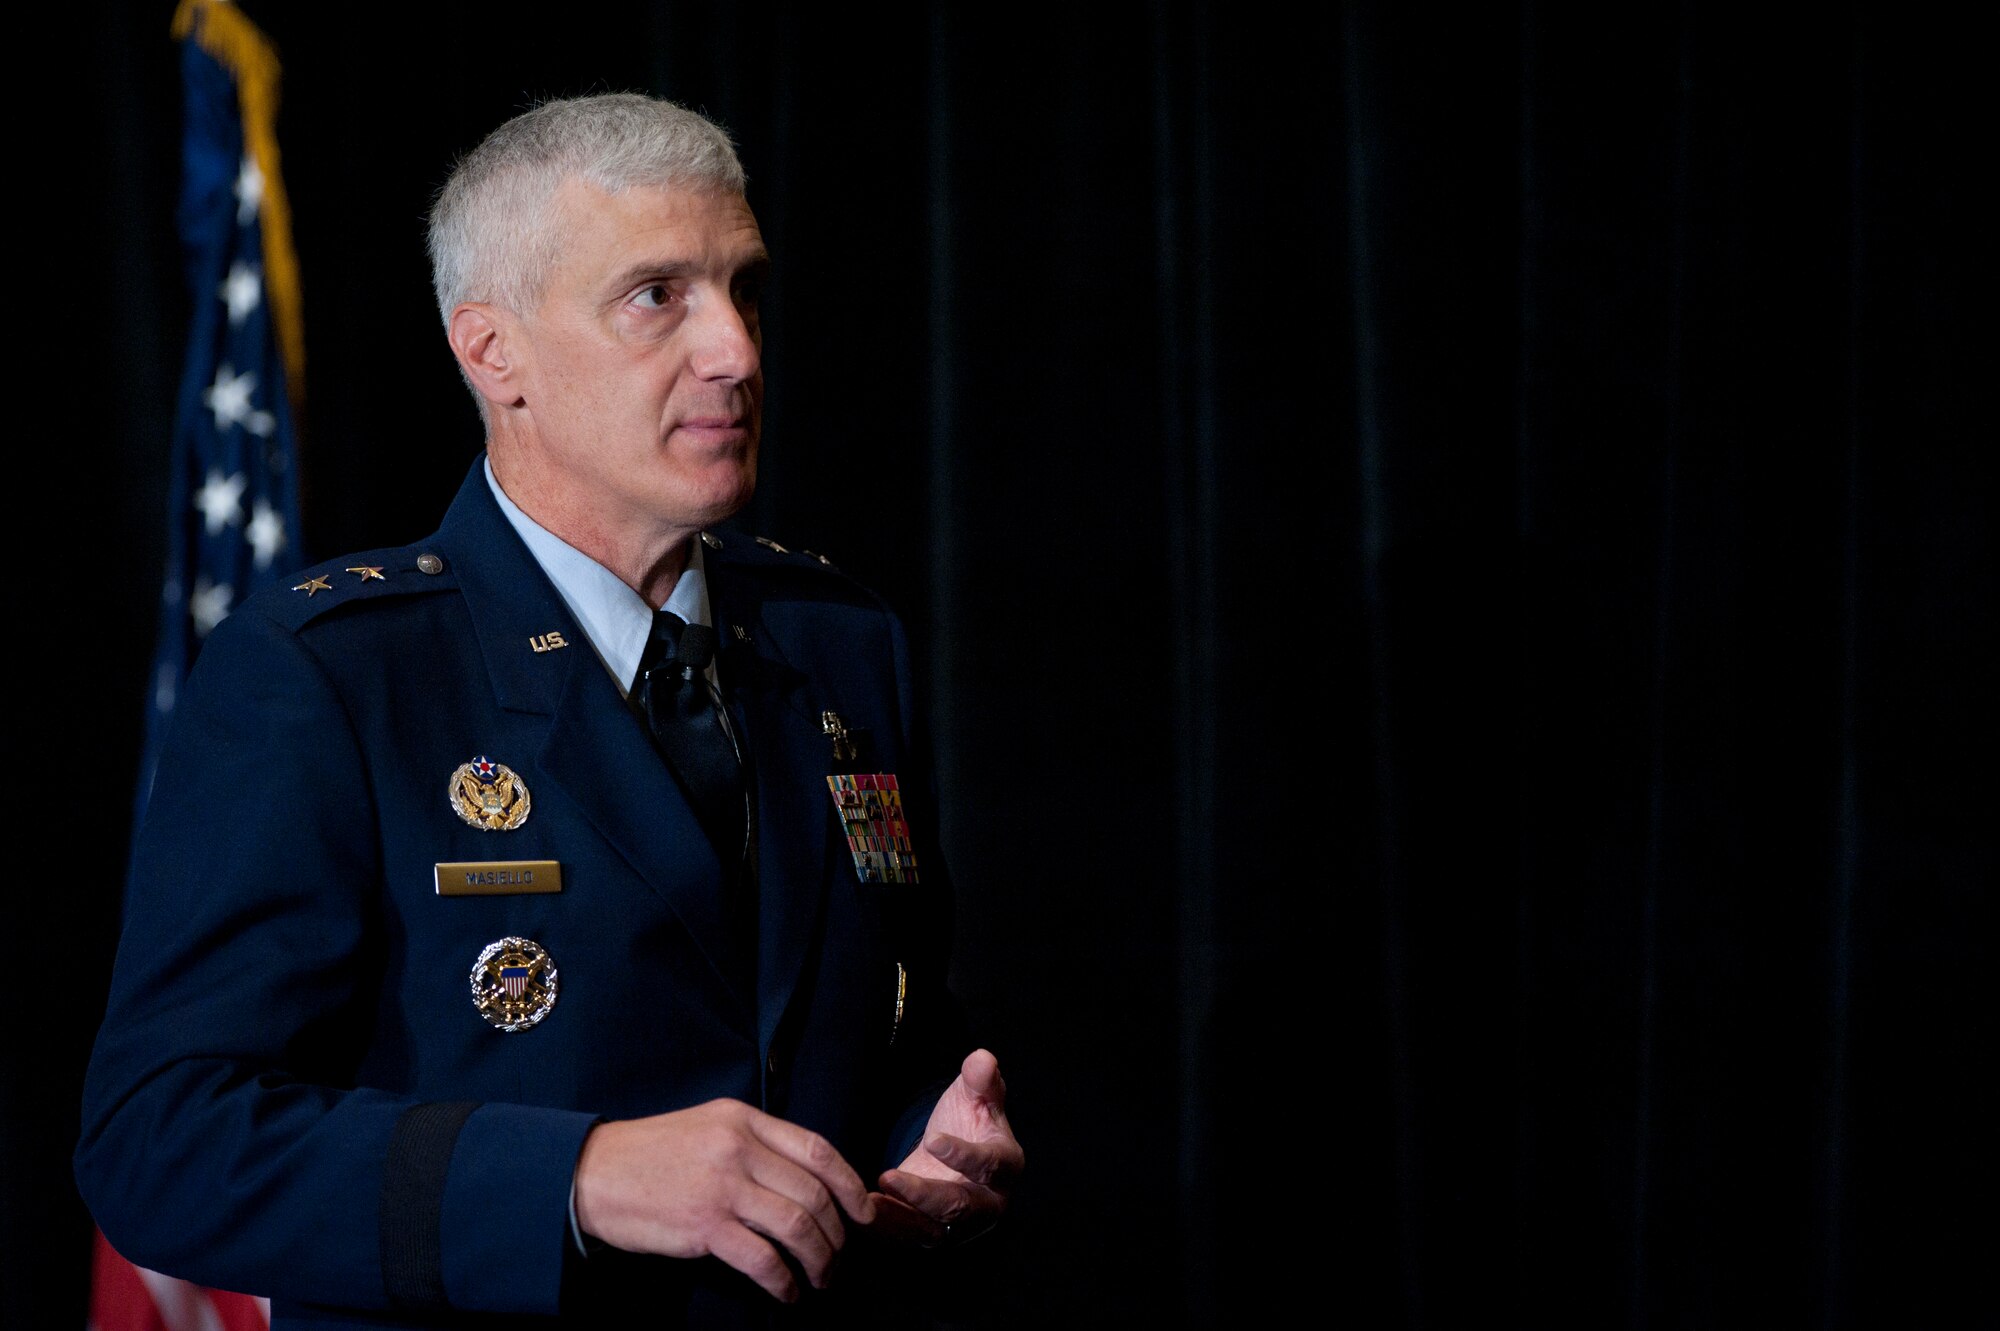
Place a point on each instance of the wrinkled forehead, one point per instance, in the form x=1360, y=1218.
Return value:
x=671, y=222
x=584, y=225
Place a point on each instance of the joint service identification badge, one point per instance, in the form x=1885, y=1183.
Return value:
x=489, y=795
x=514, y=983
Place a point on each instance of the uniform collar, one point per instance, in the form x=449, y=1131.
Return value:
x=615, y=619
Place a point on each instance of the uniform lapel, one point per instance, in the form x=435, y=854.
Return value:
x=597, y=754
x=775, y=707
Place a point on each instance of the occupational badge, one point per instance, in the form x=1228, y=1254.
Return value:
x=878, y=835
x=514, y=983
x=489, y=795
x=846, y=741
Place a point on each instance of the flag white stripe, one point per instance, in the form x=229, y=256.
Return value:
x=183, y=1307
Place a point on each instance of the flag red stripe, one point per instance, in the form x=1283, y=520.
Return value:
x=122, y=1298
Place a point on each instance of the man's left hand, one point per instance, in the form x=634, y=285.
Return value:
x=955, y=1184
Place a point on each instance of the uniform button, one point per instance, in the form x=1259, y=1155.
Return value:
x=429, y=563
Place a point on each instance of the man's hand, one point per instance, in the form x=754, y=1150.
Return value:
x=722, y=1179
x=957, y=1180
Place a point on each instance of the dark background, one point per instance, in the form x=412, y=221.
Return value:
x=1464, y=523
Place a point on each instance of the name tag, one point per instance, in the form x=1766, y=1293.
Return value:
x=498, y=878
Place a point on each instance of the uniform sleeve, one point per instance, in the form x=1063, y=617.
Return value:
x=224, y=1139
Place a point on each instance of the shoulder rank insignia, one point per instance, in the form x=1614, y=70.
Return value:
x=514, y=983
x=878, y=835
x=489, y=795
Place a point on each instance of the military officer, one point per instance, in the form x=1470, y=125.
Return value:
x=655, y=791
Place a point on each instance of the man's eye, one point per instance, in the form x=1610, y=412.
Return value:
x=653, y=297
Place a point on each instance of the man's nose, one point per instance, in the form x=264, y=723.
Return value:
x=726, y=346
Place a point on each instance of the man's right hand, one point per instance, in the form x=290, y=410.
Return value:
x=722, y=1179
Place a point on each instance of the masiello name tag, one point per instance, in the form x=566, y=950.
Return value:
x=498, y=878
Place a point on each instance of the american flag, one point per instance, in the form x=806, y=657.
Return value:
x=124, y=1297
x=233, y=518
x=233, y=496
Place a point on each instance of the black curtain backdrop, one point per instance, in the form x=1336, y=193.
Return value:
x=1445, y=550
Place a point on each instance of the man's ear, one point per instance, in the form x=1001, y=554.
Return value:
x=488, y=342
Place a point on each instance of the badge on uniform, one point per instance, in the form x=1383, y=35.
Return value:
x=514, y=983
x=489, y=795
x=870, y=805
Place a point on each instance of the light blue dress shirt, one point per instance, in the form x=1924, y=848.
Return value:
x=616, y=620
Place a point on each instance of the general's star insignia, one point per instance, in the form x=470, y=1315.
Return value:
x=368, y=571
x=314, y=586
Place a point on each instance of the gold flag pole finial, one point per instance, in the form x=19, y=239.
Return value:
x=224, y=32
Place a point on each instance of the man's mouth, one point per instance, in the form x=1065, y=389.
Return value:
x=718, y=428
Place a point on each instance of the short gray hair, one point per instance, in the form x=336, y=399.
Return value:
x=491, y=236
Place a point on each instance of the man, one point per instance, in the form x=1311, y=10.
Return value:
x=698, y=1010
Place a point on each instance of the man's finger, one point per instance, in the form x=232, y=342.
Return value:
x=756, y=1258
x=981, y=1073
x=793, y=1228
x=899, y=1220
x=952, y=1202
x=792, y=1182
x=815, y=1154
x=994, y=1161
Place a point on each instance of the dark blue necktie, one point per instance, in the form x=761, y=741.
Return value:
x=685, y=715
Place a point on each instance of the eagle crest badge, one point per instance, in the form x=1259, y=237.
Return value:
x=490, y=796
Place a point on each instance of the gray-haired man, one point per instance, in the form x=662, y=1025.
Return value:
x=693, y=1020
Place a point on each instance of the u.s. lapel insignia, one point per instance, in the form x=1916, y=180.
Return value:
x=488, y=795
x=878, y=834
x=514, y=983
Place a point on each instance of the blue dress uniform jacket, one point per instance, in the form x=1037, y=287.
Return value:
x=293, y=1093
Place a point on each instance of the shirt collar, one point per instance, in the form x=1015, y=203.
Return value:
x=615, y=619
